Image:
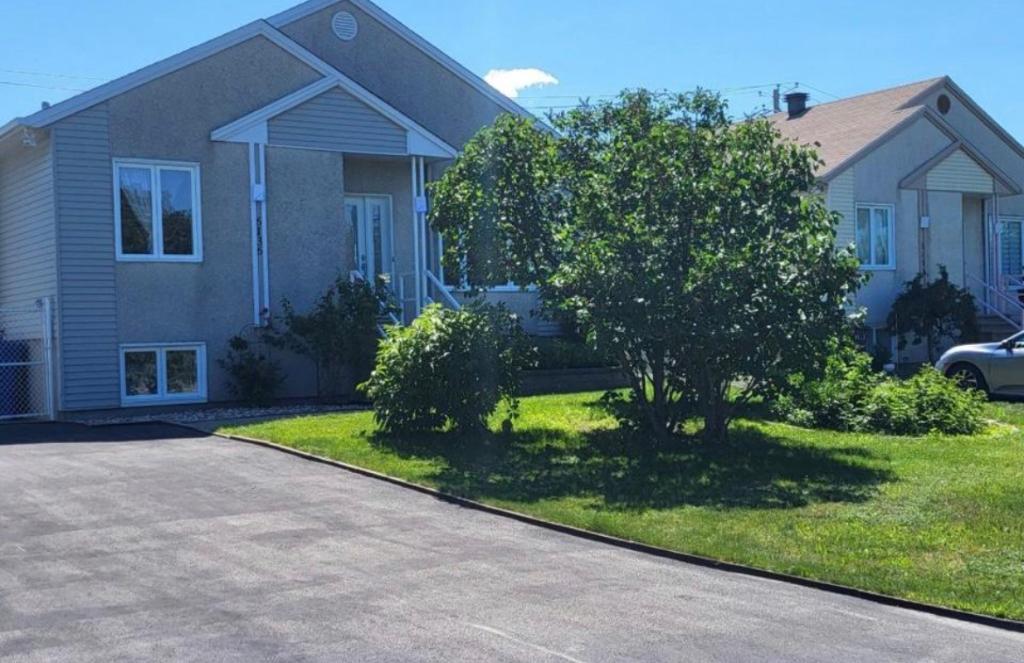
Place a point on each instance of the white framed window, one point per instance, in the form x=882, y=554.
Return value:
x=157, y=211
x=163, y=373
x=876, y=236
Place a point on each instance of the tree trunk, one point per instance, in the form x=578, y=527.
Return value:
x=716, y=417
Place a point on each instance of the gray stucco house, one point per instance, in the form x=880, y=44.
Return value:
x=160, y=214
x=923, y=177
x=166, y=211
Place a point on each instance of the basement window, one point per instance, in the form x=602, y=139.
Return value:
x=157, y=211
x=161, y=374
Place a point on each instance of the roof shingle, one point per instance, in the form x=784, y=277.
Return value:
x=843, y=128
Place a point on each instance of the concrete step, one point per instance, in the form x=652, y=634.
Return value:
x=994, y=328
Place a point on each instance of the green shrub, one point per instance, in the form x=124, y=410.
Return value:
x=339, y=334
x=448, y=369
x=851, y=396
x=838, y=400
x=253, y=376
x=928, y=402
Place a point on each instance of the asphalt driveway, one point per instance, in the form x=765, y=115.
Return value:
x=150, y=543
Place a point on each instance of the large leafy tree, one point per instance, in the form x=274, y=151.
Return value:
x=691, y=247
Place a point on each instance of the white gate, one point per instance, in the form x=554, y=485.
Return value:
x=26, y=361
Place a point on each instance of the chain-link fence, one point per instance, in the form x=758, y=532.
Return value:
x=26, y=378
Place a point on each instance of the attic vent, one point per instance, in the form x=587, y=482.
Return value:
x=345, y=26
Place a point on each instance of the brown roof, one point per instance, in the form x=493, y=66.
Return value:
x=846, y=127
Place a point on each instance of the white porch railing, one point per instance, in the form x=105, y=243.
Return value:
x=1002, y=302
x=446, y=295
x=356, y=276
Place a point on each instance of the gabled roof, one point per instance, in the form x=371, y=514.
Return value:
x=300, y=11
x=254, y=125
x=267, y=29
x=847, y=129
x=121, y=85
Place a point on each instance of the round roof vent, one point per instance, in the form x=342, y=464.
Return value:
x=345, y=26
x=943, y=103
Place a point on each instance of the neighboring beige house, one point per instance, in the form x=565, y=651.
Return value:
x=923, y=177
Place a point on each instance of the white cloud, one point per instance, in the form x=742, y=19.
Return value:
x=510, y=82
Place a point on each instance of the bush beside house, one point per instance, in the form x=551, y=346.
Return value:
x=339, y=335
x=448, y=369
x=253, y=376
x=852, y=396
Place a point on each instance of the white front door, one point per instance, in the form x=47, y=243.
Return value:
x=369, y=217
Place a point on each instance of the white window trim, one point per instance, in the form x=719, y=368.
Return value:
x=162, y=397
x=891, y=265
x=154, y=165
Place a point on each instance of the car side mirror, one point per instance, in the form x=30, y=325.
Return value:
x=1008, y=346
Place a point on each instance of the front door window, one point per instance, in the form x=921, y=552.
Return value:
x=369, y=218
x=1012, y=248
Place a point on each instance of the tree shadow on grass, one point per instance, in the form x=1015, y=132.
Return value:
x=753, y=470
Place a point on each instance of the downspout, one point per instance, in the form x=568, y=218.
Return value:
x=418, y=291
x=254, y=195
x=421, y=206
x=923, y=237
x=264, y=234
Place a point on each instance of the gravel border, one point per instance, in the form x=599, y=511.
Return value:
x=195, y=416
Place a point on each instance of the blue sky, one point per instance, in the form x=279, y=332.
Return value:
x=592, y=47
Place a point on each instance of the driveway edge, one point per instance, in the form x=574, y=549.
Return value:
x=636, y=546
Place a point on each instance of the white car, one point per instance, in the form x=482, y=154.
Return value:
x=995, y=368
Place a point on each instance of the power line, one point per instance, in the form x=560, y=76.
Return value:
x=820, y=91
x=42, y=87
x=22, y=72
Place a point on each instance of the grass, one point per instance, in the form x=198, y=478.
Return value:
x=935, y=519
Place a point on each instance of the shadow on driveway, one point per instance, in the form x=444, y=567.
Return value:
x=61, y=432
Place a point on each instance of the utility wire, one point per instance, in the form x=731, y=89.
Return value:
x=21, y=72
x=42, y=87
x=820, y=91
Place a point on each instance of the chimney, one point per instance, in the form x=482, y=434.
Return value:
x=45, y=105
x=796, y=103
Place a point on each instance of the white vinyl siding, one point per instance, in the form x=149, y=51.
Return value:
x=336, y=121
x=87, y=297
x=959, y=172
x=840, y=199
x=875, y=233
x=28, y=238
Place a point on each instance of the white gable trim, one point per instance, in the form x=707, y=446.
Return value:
x=195, y=54
x=312, y=6
x=253, y=127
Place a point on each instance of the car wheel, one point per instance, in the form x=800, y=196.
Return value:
x=968, y=377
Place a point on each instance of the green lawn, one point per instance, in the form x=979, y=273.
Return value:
x=936, y=519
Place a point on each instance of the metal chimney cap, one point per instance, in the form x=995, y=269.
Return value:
x=796, y=103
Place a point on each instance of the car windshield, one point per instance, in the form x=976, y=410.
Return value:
x=1016, y=339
